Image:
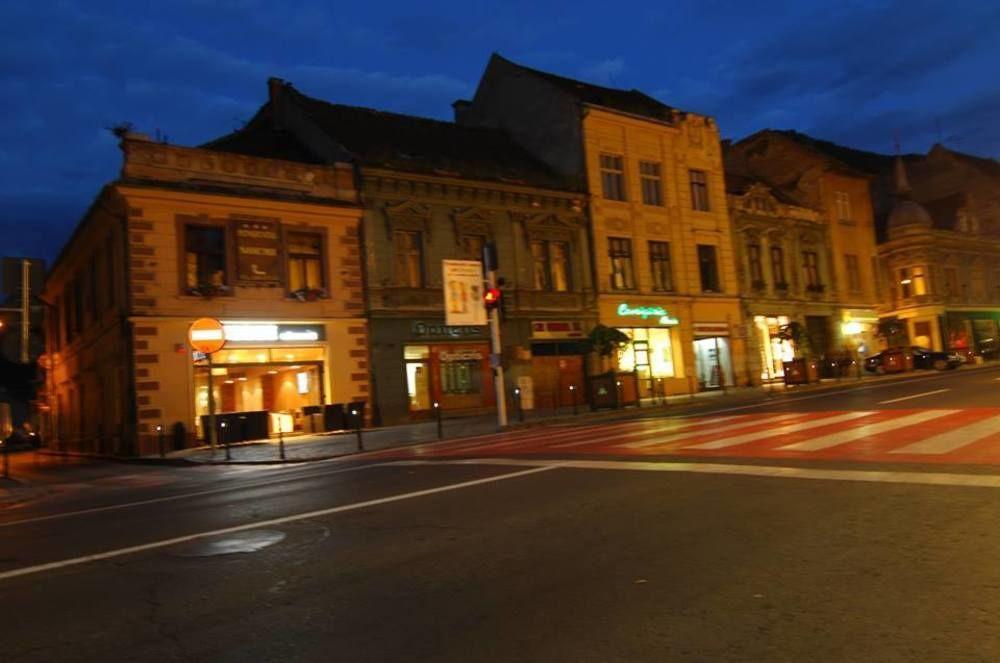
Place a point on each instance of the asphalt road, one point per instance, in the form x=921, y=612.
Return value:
x=473, y=560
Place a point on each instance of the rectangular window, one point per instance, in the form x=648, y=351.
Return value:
x=708, y=268
x=408, y=247
x=652, y=183
x=472, y=247
x=853, y=272
x=810, y=262
x=305, y=261
x=205, y=256
x=620, y=252
x=550, y=262
x=612, y=177
x=699, y=190
x=659, y=266
x=778, y=267
x=756, y=268
x=905, y=283
x=842, y=202
x=461, y=377
x=919, y=281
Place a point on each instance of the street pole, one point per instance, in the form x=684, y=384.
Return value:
x=211, y=407
x=281, y=438
x=25, y=308
x=495, y=358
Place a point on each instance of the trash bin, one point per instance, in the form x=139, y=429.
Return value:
x=333, y=417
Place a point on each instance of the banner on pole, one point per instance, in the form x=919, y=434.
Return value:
x=463, y=292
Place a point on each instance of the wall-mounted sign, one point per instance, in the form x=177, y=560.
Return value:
x=257, y=251
x=460, y=355
x=463, y=292
x=206, y=335
x=556, y=329
x=711, y=329
x=423, y=329
x=251, y=332
x=658, y=313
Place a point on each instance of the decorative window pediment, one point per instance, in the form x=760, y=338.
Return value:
x=472, y=221
x=407, y=215
x=548, y=227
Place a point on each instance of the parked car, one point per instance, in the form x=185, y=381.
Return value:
x=922, y=358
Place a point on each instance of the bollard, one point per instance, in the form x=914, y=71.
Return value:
x=663, y=392
x=357, y=428
x=440, y=424
x=618, y=394
x=159, y=435
x=572, y=393
x=225, y=440
x=281, y=438
x=520, y=409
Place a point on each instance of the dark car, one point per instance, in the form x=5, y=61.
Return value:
x=922, y=358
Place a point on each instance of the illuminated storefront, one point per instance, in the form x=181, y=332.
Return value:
x=654, y=351
x=773, y=350
x=278, y=369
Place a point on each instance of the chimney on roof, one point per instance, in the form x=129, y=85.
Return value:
x=276, y=97
x=460, y=106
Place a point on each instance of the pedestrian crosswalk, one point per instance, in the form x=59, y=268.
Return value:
x=926, y=435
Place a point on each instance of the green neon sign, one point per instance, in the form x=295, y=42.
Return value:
x=646, y=312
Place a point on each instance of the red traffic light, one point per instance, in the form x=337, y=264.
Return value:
x=491, y=298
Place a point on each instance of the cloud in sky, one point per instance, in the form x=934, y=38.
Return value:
x=858, y=72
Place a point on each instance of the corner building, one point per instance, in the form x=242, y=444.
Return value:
x=662, y=251
x=268, y=246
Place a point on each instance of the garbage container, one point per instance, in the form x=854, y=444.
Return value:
x=333, y=417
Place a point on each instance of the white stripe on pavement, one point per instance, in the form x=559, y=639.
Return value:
x=834, y=439
x=695, y=432
x=780, y=430
x=771, y=471
x=119, y=552
x=674, y=425
x=907, y=398
x=953, y=439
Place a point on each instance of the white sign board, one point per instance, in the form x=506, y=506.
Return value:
x=463, y=292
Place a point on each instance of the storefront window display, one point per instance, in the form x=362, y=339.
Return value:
x=456, y=376
x=712, y=362
x=773, y=350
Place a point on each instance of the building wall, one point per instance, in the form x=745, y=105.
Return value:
x=692, y=144
x=162, y=188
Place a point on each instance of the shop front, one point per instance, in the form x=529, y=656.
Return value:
x=712, y=355
x=654, y=352
x=773, y=350
x=558, y=370
x=974, y=333
x=419, y=362
x=271, y=374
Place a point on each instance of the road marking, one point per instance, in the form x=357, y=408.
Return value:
x=673, y=425
x=835, y=439
x=770, y=471
x=906, y=398
x=119, y=552
x=780, y=430
x=720, y=429
x=953, y=439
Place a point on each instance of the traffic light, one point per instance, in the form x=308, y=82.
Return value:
x=491, y=298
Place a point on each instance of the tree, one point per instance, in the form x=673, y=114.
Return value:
x=893, y=331
x=604, y=341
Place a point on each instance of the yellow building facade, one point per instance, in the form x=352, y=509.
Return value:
x=270, y=248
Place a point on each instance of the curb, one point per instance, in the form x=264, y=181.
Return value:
x=133, y=460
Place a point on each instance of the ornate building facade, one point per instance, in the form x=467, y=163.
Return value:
x=268, y=246
x=435, y=190
x=662, y=251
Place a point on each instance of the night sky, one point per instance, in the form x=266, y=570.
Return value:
x=859, y=73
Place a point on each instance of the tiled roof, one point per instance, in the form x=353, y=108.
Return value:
x=400, y=142
x=628, y=101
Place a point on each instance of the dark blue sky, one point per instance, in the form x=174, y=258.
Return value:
x=859, y=73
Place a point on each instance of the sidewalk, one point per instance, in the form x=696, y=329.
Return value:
x=302, y=448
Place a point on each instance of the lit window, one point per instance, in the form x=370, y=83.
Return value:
x=620, y=253
x=699, y=190
x=305, y=261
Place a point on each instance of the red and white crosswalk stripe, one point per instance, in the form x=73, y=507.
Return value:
x=883, y=435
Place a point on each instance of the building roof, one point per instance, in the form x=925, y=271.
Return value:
x=631, y=101
x=739, y=184
x=396, y=142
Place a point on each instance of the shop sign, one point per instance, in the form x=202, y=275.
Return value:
x=423, y=329
x=556, y=329
x=463, y=292
x=257, y=251
x=645, y=312
x=711, y=329
x=460, y=355
x=272, y=333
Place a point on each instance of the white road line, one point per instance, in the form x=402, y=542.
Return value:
x=674, y=425
x=184, y=496
x=780, y=430
x=119, y=552
x=906, y=398
x=953, y=439
x=834, y=439
x=695, y=432
x=772, y=471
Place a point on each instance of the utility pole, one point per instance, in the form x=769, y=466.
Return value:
x=496, y=349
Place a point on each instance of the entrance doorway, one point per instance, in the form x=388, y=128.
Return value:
x=712, y=362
